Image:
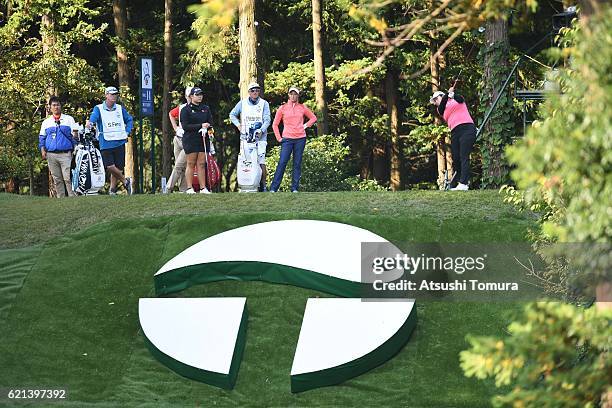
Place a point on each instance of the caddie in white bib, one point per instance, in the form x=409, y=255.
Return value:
x=250, y=114
x=113, y=125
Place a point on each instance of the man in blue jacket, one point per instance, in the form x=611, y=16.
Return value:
x=114, y=125
x=56, y=142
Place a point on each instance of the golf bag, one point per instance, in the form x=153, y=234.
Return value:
x=88, y=177
x=249, y=171
x=213, y=174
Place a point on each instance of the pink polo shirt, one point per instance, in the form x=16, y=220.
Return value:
x=456, y=114
x=292, y=115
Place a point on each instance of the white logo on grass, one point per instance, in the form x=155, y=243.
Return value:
x=340, y=338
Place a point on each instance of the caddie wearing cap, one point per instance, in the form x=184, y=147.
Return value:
x=252, y=115
x=453, y=109
x=114, y=125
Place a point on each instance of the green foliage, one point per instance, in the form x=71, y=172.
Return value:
x=11, y=163
x=362, y=118
x=358, y=184
x=209, y=53
x=557, y=355
x=296, y=74
x=213, y=16
x=543, y=206
x=422, y=139
x=324, y=167
x=341, y=80
x=28, y=71
x=566, y=159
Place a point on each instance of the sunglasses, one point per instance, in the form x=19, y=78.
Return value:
x=254, y=90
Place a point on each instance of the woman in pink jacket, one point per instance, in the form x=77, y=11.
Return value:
x=453, y=109
x=293, y=140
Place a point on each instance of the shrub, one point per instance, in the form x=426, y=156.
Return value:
x=557, y=355
x=324, y=165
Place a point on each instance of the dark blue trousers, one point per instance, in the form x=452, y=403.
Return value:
x=288, y=146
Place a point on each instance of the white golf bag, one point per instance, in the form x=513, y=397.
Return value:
x=88, y=177
x=249, y=171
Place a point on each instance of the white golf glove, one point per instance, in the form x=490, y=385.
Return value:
x=180, y=132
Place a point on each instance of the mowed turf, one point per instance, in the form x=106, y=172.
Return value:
x=69, y=305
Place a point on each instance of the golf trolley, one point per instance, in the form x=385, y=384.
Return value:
x=88, y=176
x=249, y=170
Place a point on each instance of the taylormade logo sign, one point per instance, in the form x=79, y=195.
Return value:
x=340, y=338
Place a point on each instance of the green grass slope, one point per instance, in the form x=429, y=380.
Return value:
x=72, y=271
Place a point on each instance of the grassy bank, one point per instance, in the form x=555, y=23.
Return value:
x=72, y=272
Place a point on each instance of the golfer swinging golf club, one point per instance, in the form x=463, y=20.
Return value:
x=454, y=111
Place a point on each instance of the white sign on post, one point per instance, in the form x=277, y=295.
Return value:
x=146, y=86
x=146, y=70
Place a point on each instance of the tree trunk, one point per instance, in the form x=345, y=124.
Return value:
x=228, y=176
x=120, y=20
x=365, y=156
x=12, y=185
x=319, y=68
x=31, y=174
x=48, y=41
x=588, y=8
x=121, y=31
x=166, y=128
x=392, y=110
x=248, y=45
x=380, y=164
x=443, y=151
x=498, y=131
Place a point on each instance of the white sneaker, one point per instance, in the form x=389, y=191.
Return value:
x=128, y=185
x=461, y=187
x=204, y=191
x=190, y=191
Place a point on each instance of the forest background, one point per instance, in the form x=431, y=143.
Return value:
x=376, y=128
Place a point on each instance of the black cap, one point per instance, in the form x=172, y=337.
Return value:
x=196, y=91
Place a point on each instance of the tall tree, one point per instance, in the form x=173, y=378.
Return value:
x=319, y=67
x=166, y=128
x=497, y=132
x=47, y=30
x=443, y=153
x=120, y=20
x=248, y=45
x=391, y=84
